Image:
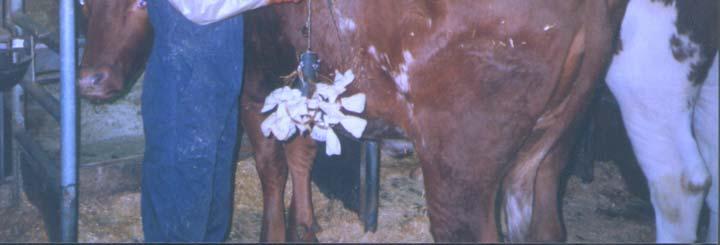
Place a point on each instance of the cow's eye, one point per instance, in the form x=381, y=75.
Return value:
x=141, y=4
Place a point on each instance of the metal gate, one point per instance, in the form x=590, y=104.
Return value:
x=56, y=181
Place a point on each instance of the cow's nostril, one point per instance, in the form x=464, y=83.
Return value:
x=94, y=78
x=97, y=77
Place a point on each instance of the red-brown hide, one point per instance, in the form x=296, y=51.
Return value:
x=485, y=90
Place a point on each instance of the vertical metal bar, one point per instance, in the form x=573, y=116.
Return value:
x=32, y=59
x=363, y=185
x=3, y=138
x=5, y=13
x=372, y=181
x=17, y=159
x=16, y=169
x=18, y=109
x=17, y=115
x=68, y=182
x=16, y=6
x=18, y=105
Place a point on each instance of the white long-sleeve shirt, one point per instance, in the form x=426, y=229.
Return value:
x=204, y=12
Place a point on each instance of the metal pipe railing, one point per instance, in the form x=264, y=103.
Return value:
x=68, y=100
x=62, y=176
x=43, y=97
x=3, y=131
x=47, y=77
x=39, y=160
x=371, y=158
x=37, y=30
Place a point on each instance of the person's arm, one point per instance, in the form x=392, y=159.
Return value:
x=204, y=12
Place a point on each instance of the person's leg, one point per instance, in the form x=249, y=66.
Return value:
x=187, y=171
x=190, y=96
x=221, y=206
x=227, y=68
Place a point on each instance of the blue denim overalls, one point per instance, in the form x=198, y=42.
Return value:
x=190, y=115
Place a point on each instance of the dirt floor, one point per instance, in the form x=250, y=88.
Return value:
x=602, y=211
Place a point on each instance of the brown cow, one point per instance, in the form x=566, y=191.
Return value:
x=486, y=91
x=118, y=45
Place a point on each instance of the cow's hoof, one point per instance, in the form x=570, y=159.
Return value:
x=305, y=234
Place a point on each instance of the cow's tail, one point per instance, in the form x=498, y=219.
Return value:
x=579, y=73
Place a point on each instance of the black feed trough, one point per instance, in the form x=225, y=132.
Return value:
x=11, y=73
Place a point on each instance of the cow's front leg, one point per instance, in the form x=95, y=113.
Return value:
x=300, y=153
x=659, y=126
x=272, y=170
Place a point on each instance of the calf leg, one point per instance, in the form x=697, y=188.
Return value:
x=272, y=170
x=705, y=125
x=657, y=106
x=657, y=116
x=300, y=154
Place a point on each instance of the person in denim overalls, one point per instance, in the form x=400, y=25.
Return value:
x=190, y=115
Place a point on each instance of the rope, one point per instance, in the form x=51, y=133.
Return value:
x=308, y=24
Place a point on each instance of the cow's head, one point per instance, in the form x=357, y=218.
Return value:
x=118, y=40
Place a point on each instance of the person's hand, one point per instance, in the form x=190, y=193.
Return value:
x=271, y=2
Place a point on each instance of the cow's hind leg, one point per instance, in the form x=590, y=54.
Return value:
x=546, y=225
x=300, y=153
x=532, y=184
x=460, y=210
x=272, y=170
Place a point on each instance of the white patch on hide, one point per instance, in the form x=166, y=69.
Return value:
x=518, y=216
x=411, y=112
x=346, y=24
x=373, y=51
x=401, y=79
x=548, y=27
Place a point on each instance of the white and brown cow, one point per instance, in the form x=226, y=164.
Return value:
x=669, y=103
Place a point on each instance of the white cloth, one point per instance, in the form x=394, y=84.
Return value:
x=296, y=113
x=204, y=12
